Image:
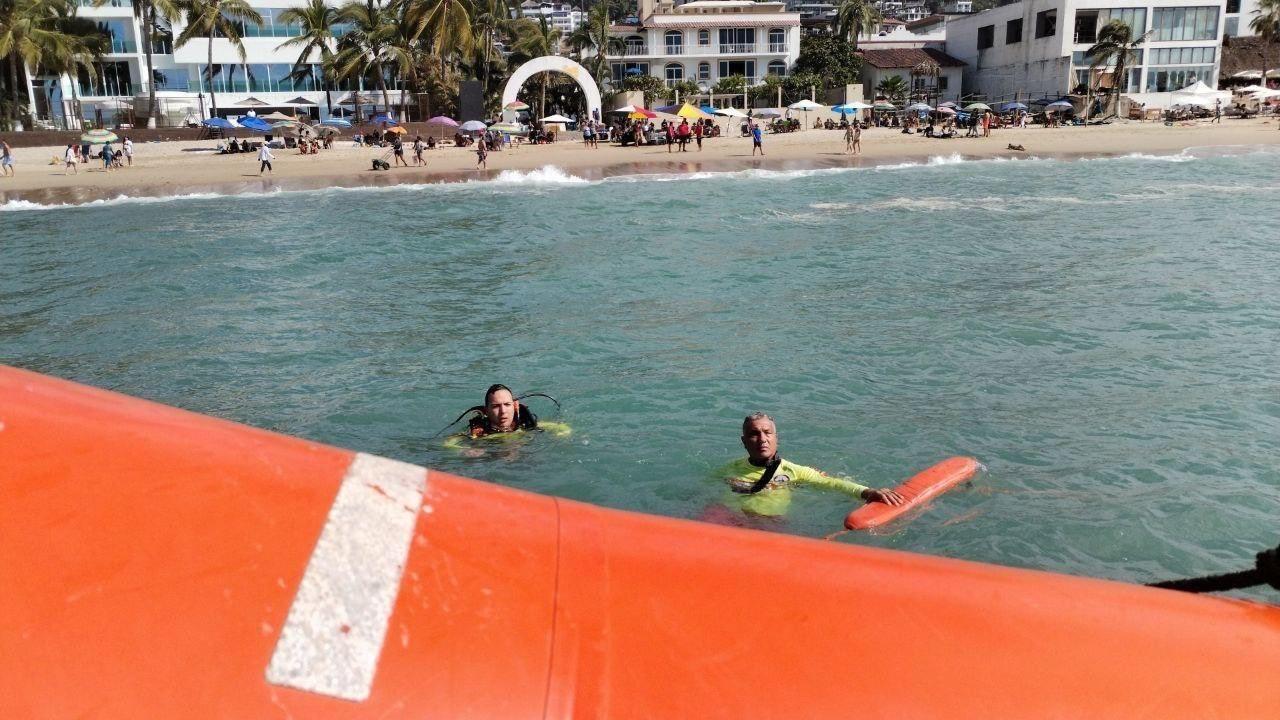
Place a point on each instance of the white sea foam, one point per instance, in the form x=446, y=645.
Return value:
x=545, y=175
x=19, y=205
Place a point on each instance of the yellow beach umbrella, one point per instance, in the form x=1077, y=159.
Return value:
x=690, y=112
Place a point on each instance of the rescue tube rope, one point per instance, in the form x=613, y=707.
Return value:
x=1265, y=571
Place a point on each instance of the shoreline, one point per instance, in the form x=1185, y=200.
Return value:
x=178, y=169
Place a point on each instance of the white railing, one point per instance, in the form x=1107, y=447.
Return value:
x=737, y=48
x=635, y=50
x=675, y=49
x=777, y=47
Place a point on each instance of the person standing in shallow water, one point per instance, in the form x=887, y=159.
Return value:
x=760, y=484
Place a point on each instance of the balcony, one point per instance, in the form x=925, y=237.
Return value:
x=121, y=47
x=737, y=48
x=675, y=49
x=777, y=47
x=635, y=51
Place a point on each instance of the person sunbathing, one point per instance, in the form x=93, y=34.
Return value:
x=1019, y=148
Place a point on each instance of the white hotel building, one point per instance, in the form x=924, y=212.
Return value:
x=179, y=73
x=706, y=40
x=1037, y=48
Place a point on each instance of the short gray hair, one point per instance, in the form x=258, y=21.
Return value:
x=746, y=421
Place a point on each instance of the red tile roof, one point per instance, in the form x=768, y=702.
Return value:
x=908, y=58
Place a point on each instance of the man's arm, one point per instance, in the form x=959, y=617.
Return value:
x=815, y=477
x=557, y=429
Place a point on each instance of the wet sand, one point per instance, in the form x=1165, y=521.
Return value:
x=191, y=167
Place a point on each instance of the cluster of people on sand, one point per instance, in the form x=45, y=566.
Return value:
x=112, y=159
x=757, y=487
x=674, y=134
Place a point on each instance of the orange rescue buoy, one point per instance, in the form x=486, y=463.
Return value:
x=915, y=491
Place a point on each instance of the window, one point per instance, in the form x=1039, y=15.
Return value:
x=704, y=72
x=986, y=36
x=744, y=68
x=635, y=45
x=675, y=73
x=1183, y=56
x=1161, y=79
x=1135, y=18
x=1086, y=27
x=1233, y=7
x=1046, y=23
x=621, y=71
x=112, y=78
x=1231, y=27
x=675, y=42
x=737, y=40
x=119, y=36
x=1185, y=23
x=777, y=67
x=777, y=40
x=1013, y=32
x=271, y=25
x=942, y=82
x=704, y=37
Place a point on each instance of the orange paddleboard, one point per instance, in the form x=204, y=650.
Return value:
x=916, y=491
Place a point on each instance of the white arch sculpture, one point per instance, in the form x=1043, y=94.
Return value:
x=554, y=63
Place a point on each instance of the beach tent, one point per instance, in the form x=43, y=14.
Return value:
x=1201, y=95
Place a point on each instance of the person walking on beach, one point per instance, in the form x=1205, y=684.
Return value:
x=857, y=138
x=986, y=124
x=683, y=133
x=670, y=131
x=264, y=158
x=1217, y=111
x=482, y=156
x=6, y=159
x=417, y=151
x=71, y=157
x=848, y=139
x=757, y=139
x=698, y=130
x=397, y=149
x=107, y=156
x=128, y=151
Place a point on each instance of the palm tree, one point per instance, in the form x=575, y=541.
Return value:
x=207, y=18
x=490, y=16
x=1266, y=24
x=316, y=20
x=84, y=47
x=533, y=40
x=30, y=32
x=594, y=34
x=854, y=18
x=446, y=22
x=894, y=88
x=367, y=48
x=1115, y=47
x=148, y=13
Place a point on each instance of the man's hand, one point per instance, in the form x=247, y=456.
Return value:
x=884, y=495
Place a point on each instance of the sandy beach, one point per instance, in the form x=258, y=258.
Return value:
x=170, y=168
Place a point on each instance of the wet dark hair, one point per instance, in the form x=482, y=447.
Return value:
x=495, y=388
x=746, y=421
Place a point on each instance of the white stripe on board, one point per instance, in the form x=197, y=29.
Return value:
x=336, y=626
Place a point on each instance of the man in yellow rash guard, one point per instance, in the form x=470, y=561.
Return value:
x=752, y=494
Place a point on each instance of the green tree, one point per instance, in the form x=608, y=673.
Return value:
x=84, y=47
x=730, y=85
x=369, y=47
x=535, y=40
x=683, y=89
x=594, y=35
x=1115, y=47
x=207, y=18
x=654, y=89
x=31, y=32
x=831, y=58
x=1266, y=24
x=148, y=13
x=316, y=20
x=854, y=18
x=446, y=24
x=490, y=17
x=894, y=88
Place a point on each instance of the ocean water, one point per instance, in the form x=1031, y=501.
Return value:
x=1102, y=334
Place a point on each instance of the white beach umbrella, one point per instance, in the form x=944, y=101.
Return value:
x=730, y=112
x=805, y=105
x=556, y=119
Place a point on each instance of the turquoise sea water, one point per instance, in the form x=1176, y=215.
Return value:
x=1102, y=334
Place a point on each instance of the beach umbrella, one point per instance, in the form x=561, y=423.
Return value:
x=854, y=106
x=805, y=105
x=220, y=123
x=397, y=130
x=278, y=116
x=1059, y=105
x=731, y=112
x=556, y=119
x=979, y=107
x=668, y=109
x=98, y=137
x=708, y=109
x=337, y=123
x=920, y=107
x=285, y=124
x=252, y=102
x=442, y=122
x=882, y=105
x=949, y=103
x=256, y=124
x=507, y=128
x=945, y=110
x=640, y=113
x=1013, y=106
x=382, y=119
x=473, y=126
x=628, y=109
x=690, y=112
x=516, y=105
x=766, y=113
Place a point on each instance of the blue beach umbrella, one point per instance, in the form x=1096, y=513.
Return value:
x=217, y=122
x=383, y=119
x=708, y=109
x=256, y=124
x=337, y=122
x=1013, y=106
